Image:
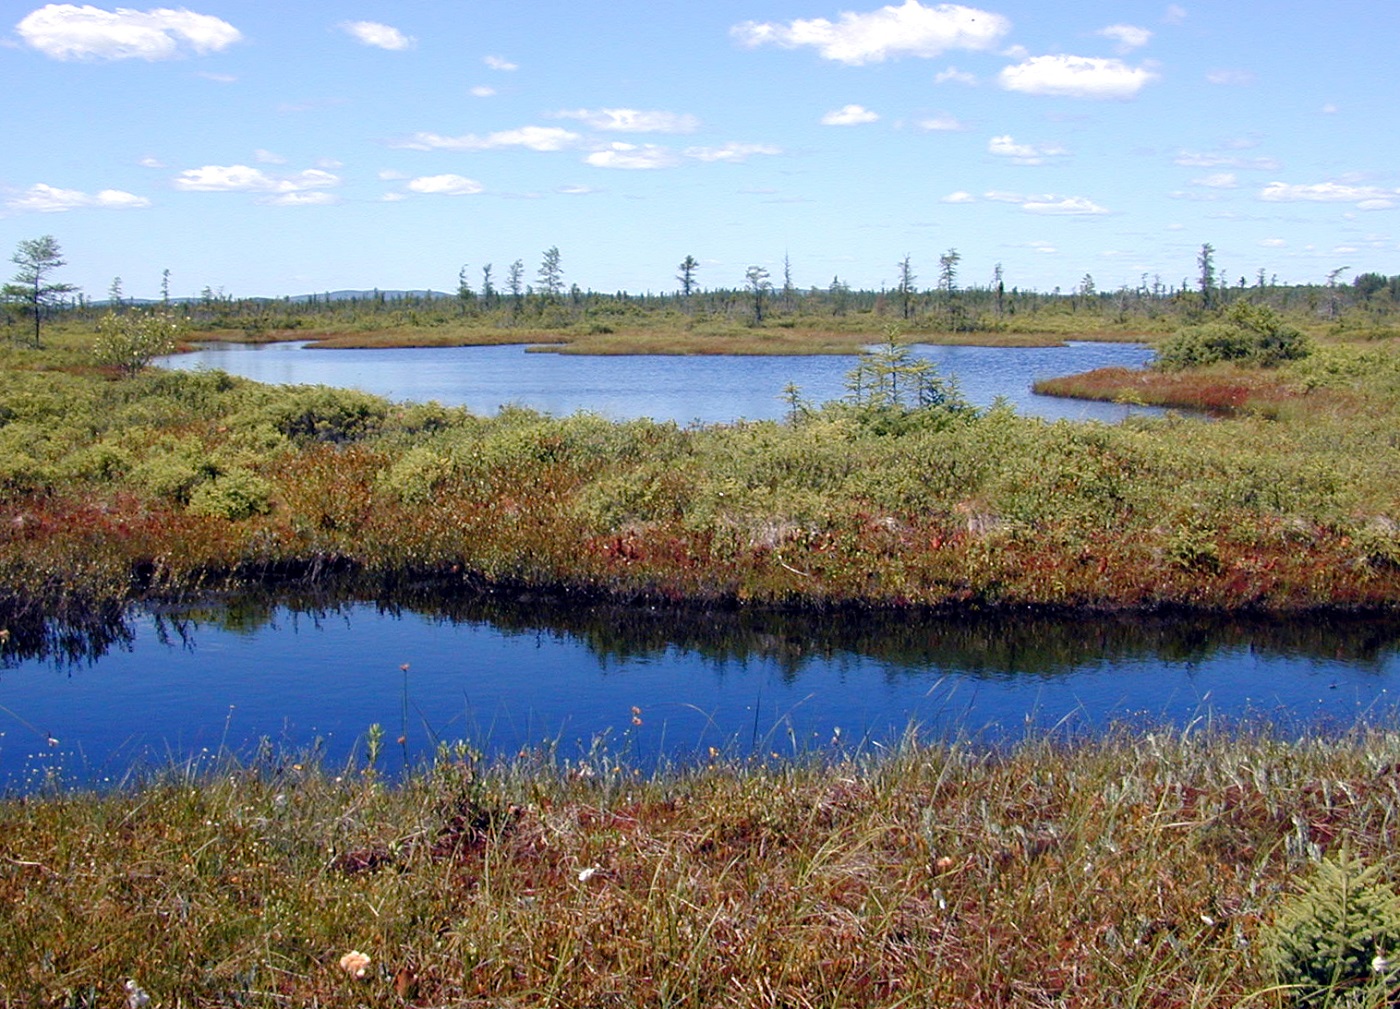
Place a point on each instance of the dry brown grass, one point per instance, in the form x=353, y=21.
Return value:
x=1136, y=869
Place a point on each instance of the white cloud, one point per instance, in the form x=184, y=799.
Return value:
x=1049, y=203
x=731, y=152
x=380, y=36
x=1076, y=77
x=218, y=78
x=1024, y=154
x=1128, y=37
x=1071, y=205
x=1196, y=159
x=577, y=190
x=300, y=198
x=446, y=185
x=45, y=199
x=1217, y=180
x=500, y=63
x=849, y=115
x=633, y=120
x=959, y=197
x=268, y=157
x=392, y=198
x=243, y=179
x=1364, y=197
x=482, y=91
x=1272, y=243
x=151, y=161
x=536, y=138
x=637, y=157
x=73, y=32
x=390, y=175
x=1230, y=78
x=954, y=76
x=908, y=30
x=941, y=122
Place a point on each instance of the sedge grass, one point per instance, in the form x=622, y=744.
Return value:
x=1135, y=868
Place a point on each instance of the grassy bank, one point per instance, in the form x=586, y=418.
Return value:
x=682, y=338
x=170, y=483
x=1145, y=868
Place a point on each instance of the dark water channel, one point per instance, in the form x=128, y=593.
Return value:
x=683, y=389
x=156, y=688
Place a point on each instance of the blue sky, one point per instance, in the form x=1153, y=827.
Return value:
x=271, y=149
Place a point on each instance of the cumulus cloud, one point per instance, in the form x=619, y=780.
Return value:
x=446, y=185
x=535, y=138
x=73, y=32
x=637, y=157
x=633, y=120
x=1197, y=159
x=46, y=199
x=1364, y=197
x=890, y=32
x=499, y=63
x=954, y=76
x=380, y=36
x=731, y=152
x=1128, y=37
x=941, y=123
x=652, y=156
x=1024, y=154
x=959, y=197
x=300, y=198
x=1049, y=203
x=1072, y=205
x=849, y=115
x=1076, y=77
x=245, y=179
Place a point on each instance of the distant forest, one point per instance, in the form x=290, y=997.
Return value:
x=485, y=300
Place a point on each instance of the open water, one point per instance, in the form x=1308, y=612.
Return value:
x=714, y=389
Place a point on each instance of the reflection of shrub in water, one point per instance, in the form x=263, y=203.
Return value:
x=78, y=634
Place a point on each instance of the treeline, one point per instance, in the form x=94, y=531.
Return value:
x=484, y=299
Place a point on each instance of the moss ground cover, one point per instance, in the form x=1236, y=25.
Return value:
x=1141, y=868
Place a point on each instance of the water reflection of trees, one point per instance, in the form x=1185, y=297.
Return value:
x=987, y=645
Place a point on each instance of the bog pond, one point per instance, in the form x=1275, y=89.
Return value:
x=309, y=676
x=704, y=389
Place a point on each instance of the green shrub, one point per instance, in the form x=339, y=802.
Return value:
x=130, y=341
x=237, y=494
x=1338, y=935
x=174, y=469
x=319, y=413
x=1249, y=333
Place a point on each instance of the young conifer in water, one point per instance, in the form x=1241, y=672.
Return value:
x=1337, y=942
